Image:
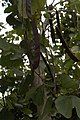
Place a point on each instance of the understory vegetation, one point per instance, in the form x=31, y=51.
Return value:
x=40, y=60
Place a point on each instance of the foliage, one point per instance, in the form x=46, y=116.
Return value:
x=40, y=61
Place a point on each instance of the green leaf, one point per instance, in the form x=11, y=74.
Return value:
x=68, y=64
x=11, y=20
x=75, y=49
x=17, y=72
x=76, y=3
x=76, y=104
x=4, y=45
x=68, y=83
x=38, y=97
x=46, y=117
x=30, y=93
x=6, y=115
x=18, y=54
x=37, y=5
x=48, y=109
x=48, y=106
x=22, y=8
x=44, y=41
x=25, y=84
x=9, y=104
x=27, y=111
x=64, y=105
x=5, y=61
x=77, y=54
x=10, y=9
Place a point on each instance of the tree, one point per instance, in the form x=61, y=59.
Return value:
x=40, y=75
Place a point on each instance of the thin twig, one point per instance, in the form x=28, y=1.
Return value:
x=52, y=2
x=59, y=3
x=48, y=67
x=39, y=75
x=3, y=98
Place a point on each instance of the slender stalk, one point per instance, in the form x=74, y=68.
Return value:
x=48, y=67
x=3, y=98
